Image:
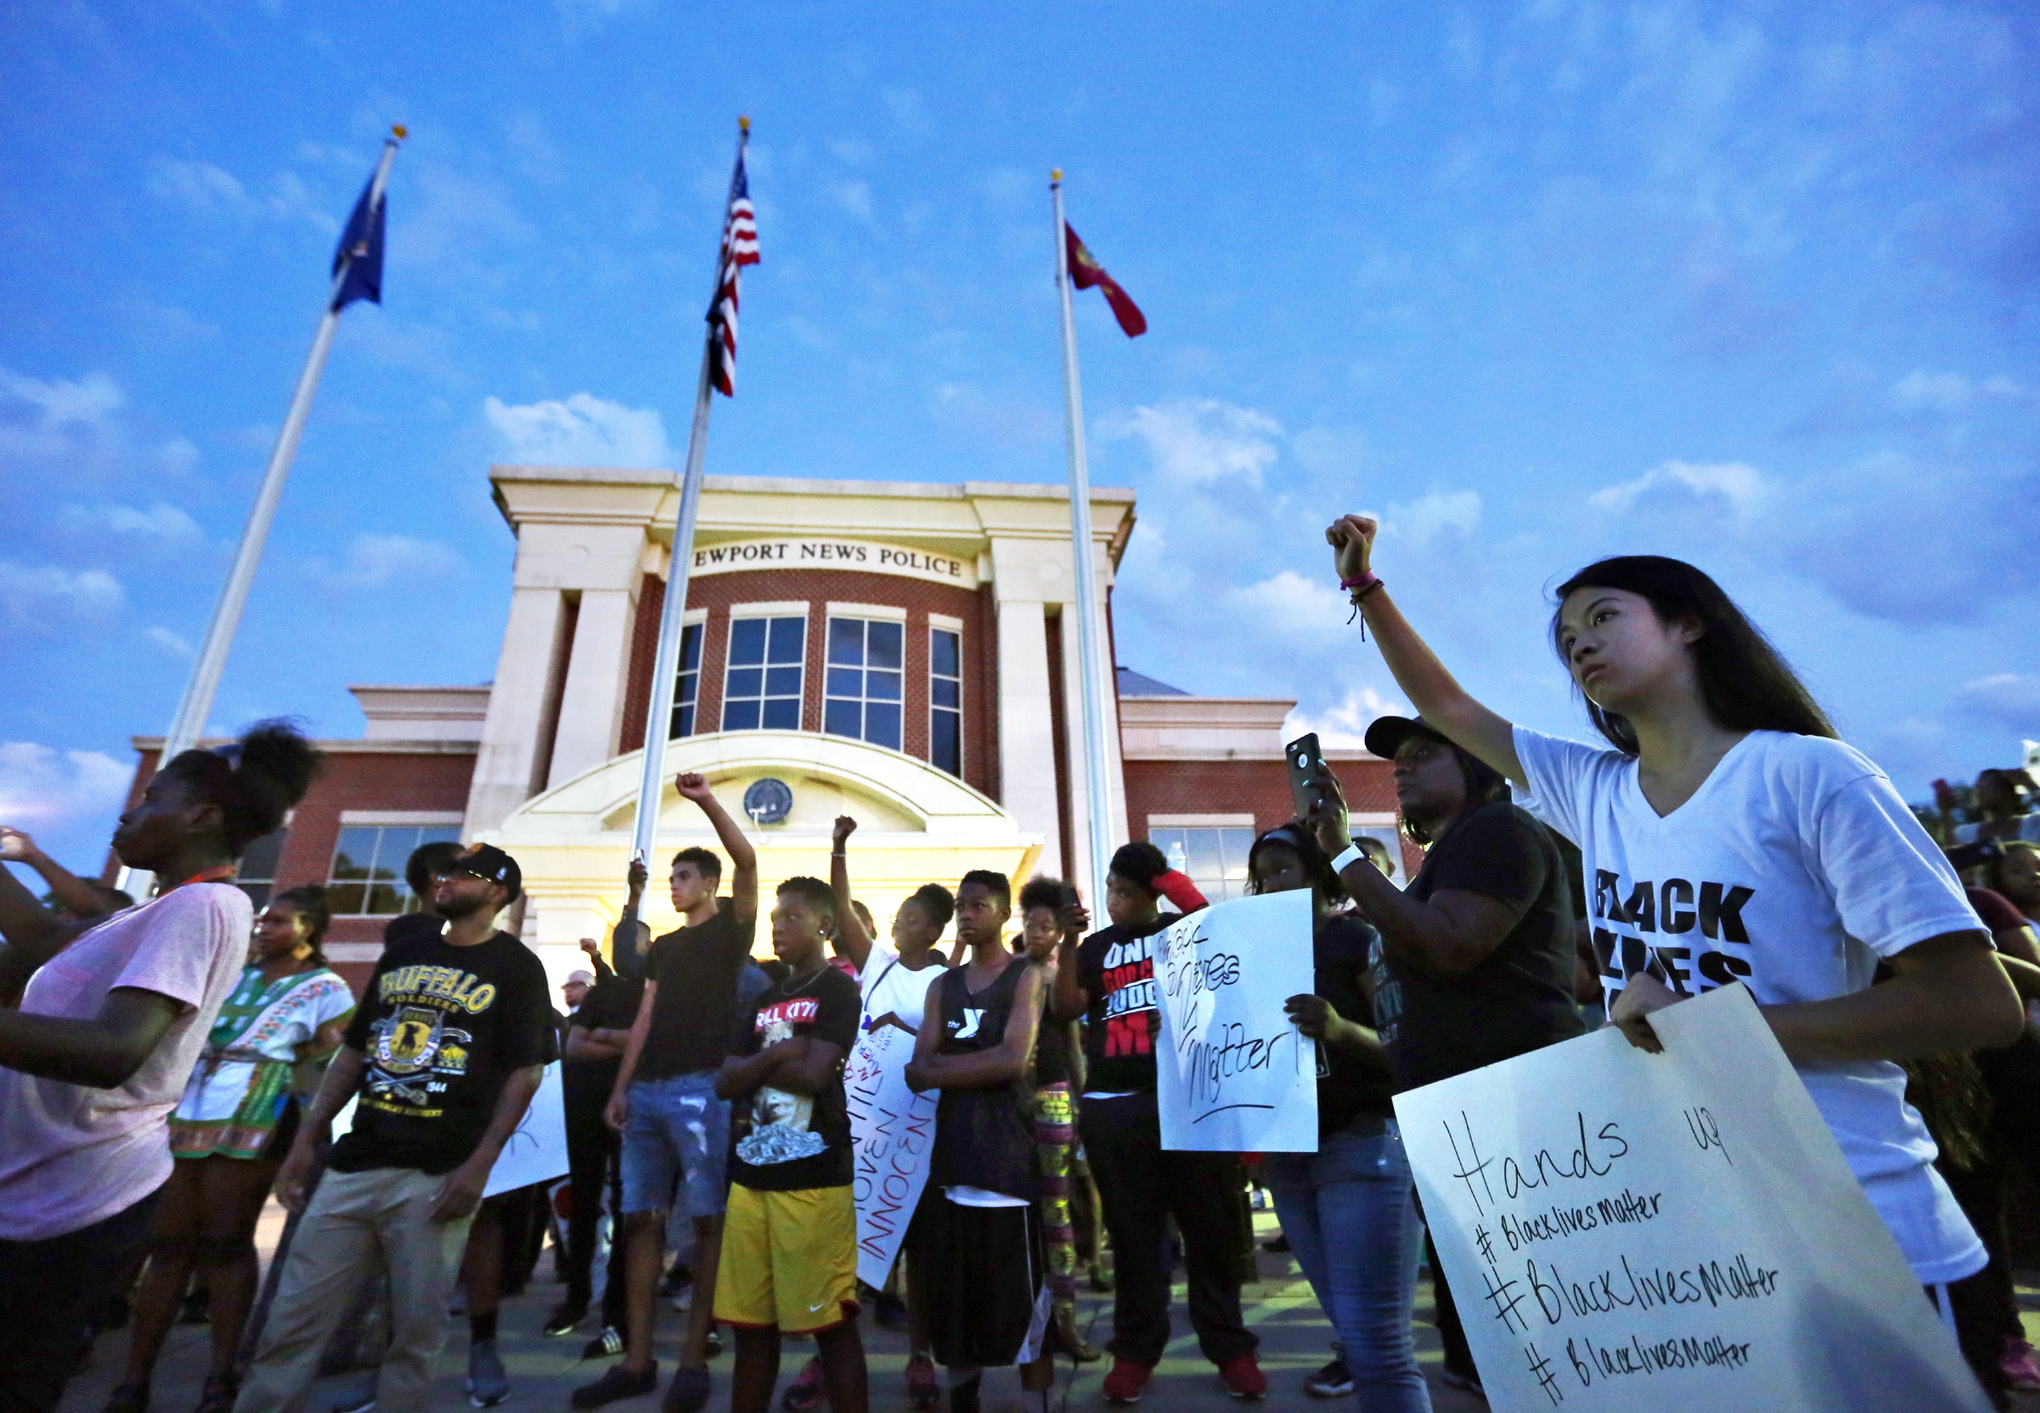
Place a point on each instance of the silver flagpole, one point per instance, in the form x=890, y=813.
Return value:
x=1089, y=634
x=672, y=620
x=196, y=704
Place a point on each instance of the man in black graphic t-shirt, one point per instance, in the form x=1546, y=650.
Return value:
x=443, y=1057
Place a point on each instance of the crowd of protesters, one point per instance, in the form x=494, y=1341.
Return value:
x=153, y=1063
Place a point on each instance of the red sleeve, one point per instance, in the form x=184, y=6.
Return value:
x=1995, y=909
x=1178, y=889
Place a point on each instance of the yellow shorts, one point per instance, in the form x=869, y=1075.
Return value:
x=789, y=1260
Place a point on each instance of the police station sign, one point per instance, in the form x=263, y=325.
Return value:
x=853, y=555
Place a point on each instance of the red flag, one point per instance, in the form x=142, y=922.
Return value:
x=1085, y=271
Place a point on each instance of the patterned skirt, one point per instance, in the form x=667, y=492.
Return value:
x=247, y=1132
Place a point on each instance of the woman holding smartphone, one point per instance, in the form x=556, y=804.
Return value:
x=1729, y=836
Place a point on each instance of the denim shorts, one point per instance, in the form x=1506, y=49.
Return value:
x=678, y=1131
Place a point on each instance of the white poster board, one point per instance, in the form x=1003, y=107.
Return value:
x=537, y=1150
x=1624, y=1230
x=1233, y=1074
x=892, y=1134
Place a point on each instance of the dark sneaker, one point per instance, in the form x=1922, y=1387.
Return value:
x=128, y=1398
x=688, y=1393
x=713, y=1346
x=606, y=1345
x=218, y=1394
x=563, y=1319
x=488, y=1382
x=1242, y=1377
x=616, y=1382
x=1278, y=1243
x=923, y=1390
x=805, y=1392
x=1335, y=1380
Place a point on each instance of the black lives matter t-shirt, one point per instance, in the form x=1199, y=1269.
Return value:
x=442, y=1027
x=1116, y=968
x=1520, y=997
x=788, y=1142
x=694, y=1018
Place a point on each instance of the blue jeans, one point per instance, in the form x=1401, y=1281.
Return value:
x=1350, y=1214
x=677, y=1134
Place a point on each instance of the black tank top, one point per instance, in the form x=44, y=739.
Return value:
x=983, y=1137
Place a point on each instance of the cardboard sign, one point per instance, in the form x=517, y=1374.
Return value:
x=892, y=1132
x=1624, y=1230
x=1232, y=1074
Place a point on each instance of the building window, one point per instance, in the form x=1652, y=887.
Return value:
x=367, y=876
x=865, y=658
x=945, y=700
x=689, y=686
x=1215, y=859
x=762, y=689
x=257, y=877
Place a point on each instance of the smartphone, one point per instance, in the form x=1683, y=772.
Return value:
x=1304, y=760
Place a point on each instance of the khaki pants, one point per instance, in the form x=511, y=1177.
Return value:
x=352, y=1217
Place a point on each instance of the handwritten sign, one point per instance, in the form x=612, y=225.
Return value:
x=892, y=1130
x=1234, y=1075
x=1624, y=1230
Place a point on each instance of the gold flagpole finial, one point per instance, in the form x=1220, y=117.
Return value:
x=744, y=123
x=1055, y=174
x=399, y=131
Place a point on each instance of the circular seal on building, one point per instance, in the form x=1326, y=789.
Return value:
x=767, y=801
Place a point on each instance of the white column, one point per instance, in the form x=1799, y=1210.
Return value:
x=591, y=705
x=1026, y=728
x=510, y=733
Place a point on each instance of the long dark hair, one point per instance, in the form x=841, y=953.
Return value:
x=1744, y=681
x=313, y=906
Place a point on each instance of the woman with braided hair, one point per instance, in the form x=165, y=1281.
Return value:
x=111, y=1022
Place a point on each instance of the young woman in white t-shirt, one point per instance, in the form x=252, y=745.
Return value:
x=1729, y=836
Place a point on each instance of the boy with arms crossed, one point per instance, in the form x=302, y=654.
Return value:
x=791, y=1232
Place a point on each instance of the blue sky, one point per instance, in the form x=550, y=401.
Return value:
x=1754, y=285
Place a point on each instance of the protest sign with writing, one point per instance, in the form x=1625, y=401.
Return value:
x=1626, y=1230
x=1233, y=1074
x=892, y=1130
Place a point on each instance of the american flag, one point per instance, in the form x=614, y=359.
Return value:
x=739, y=248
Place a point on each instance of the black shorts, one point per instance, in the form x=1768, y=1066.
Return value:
x=982, y=1271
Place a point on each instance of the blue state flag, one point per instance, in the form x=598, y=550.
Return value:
x=360, y=250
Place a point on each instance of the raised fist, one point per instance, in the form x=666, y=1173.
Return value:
x=1352, y=540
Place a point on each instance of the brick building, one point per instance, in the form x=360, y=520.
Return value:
x=893, y=651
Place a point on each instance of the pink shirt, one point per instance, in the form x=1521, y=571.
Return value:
x=71, y=1155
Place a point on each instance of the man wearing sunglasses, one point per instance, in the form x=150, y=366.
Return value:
x=443, y=1055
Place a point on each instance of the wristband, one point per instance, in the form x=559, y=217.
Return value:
x=1351, y=856
x=1365, y=581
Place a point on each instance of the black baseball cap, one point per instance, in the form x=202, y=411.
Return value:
x=489, y=862
x=1386, y=734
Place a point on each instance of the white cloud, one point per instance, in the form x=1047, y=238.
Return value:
x=160, y=521
x=211, y=190
x=2010, y=698
x=1921, y=391
x=1424, y=520
x=1196, y=441
x=1331, y=451
x=1288, y=602
x=1741, y=489
x=1343, y=725
x=41, y=786
x=377, y=561
x=854, y=197
x=582, y=430
x=30, y=593
x=57, y=403
x=175, y=644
